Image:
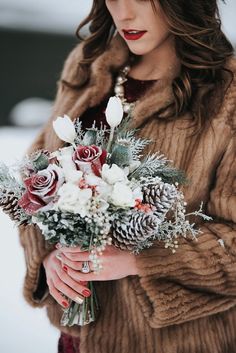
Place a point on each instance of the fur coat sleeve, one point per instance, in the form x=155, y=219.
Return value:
x=199, y=279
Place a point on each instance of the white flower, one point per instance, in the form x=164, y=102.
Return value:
x=114, y=112
x=64, y=156
x=92, y=179
x=113, y=174
x=103, y=189
x=73, y=199
x=122, y=196
x=65, y=129
x=73, y=176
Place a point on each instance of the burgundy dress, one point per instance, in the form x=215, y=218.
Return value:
x=134, y=89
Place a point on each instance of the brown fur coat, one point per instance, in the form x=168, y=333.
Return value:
x=183, y=302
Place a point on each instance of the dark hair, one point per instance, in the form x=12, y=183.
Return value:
x=200, y=44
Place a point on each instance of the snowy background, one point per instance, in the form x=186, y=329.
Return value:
x=22, y=328
x=61, y=16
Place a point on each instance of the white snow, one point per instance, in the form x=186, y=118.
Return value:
x=62, y=16
x=23, y=329
x=31, y=112
x=228, y=12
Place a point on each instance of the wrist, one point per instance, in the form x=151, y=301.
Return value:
x=133, y=267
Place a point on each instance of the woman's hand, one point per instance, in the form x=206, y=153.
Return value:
x=115, y=263
x=59, y=282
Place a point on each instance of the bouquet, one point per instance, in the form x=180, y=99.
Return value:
x=98, y=190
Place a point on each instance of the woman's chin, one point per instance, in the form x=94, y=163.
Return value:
x=138, y=50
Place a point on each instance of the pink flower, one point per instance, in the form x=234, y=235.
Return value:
x=41, y=188
x=90, y=159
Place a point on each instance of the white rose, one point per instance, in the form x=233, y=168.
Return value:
x=114, y=112
x=113, y=174
x=102, y=188
x=122, y=196
x=73, y=199
x=65, y=129
x=92, y=179
x=64, y=156
x=73, y=176
x=104, y=191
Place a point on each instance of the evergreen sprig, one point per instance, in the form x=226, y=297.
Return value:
x=137, y=147
x=102, y=136
x=79, y=132
x=68, y=228
x=64, y=227
x=8, y=183
x=157, y=165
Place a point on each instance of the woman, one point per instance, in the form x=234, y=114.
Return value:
x=182, y=83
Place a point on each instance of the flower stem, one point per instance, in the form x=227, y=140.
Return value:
x=110, y=139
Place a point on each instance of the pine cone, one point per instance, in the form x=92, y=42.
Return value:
x=161, y=195
x=130, y=230
x=10, y=206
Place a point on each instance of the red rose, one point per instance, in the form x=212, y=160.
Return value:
x=90, y=159
x=41, y=188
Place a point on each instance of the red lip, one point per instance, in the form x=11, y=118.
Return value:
x=133, y=36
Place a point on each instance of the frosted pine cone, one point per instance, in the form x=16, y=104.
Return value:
x=161, y=195
x=130, y=230
x=9, y=205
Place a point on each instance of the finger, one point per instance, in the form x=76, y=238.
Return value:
x=76, y=256
x=76, y=286
x=83, y=283
x=91, y=276
x=71, y=249
x=57, y=295
x=58, y=255
x=68, y=291
x=65, y=262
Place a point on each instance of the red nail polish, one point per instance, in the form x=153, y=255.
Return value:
x=86, y=293
x=65, y=268
x=65, y=304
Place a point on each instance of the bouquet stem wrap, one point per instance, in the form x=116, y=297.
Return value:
x=82, y=314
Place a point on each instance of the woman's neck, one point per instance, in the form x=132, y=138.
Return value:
x=155, y=65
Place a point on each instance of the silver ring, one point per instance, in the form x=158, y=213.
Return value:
x=85, y=267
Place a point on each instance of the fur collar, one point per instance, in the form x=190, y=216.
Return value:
x=102, y=71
